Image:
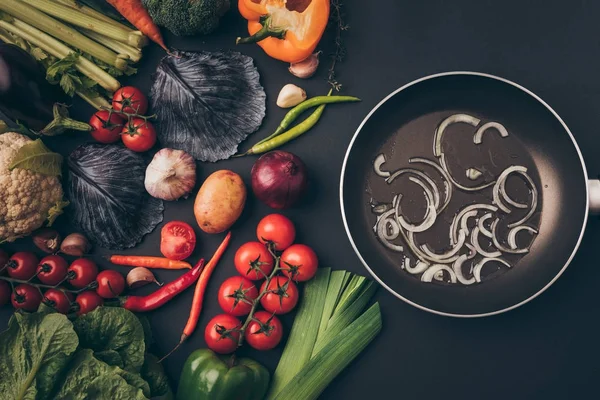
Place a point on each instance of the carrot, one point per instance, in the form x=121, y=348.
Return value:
x=199, y=294
x=149, y=262
x=136, y=14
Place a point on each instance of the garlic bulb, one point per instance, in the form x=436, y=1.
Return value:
x=290, y=96
x=305, y=68
x=170, y=175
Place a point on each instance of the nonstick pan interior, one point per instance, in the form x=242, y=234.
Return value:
x=403, y=125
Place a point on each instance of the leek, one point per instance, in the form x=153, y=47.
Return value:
x=59, y=50
x=339, y=352
x=73, y=16
x=328, y=333
x=70, y=36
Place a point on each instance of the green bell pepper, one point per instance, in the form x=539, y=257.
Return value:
x=207, y=376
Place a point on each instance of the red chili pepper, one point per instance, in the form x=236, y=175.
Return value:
x=165, y=293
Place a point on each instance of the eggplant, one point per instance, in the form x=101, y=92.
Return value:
x=26, y=97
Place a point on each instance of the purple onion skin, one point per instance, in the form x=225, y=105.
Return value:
x=279, y=179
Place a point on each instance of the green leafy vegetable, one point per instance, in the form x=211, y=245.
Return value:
x=36, y=157
x=154, y=374
x=115, y=335
x=34, y=350
x=56, y=210
x=88, y=375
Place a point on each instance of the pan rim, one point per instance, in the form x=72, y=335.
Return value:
x=488, y=76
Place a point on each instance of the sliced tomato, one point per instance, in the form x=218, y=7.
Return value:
x=177, y=240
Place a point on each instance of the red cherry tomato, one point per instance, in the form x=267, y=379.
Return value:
x=58, y=300
x=52, y=270
x=22, y=265
x=88, y=301
x=4, y=293
x=82, y=272
x=138, y=135
x=26, y=297
x=299, y=262
x=252, y=258
x=222, y=333
x=276, y=229
x=130, y=100
x=282, y=295
x=105, y=128
x=177, y=240
x=236, y=295
x=110, y=284
x=264, y=332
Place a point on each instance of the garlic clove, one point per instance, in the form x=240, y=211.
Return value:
x=290, y=96
x=305, y=68
x=75, y=245
x=171, y=175
x=140, y=276
x=47, y=240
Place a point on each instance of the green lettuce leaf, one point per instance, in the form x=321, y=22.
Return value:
x=33, y=351
x=90, y=378
x=154, y=373
x=115, y=335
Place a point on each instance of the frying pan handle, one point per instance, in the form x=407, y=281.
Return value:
x=594, y=192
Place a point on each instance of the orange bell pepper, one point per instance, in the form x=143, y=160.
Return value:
x=286, y=30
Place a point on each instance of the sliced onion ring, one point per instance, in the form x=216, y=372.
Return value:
x=431, y=271
x=532, y=207
x=458, y=217
x=480, y=264
x=453, y=119
x=473, y=174
x=420, y=267
x=499, y=245
x=457, y=267
x=512, y=235
x=472, y=251
x=381, y=227
x=480, y=250
x=490, y=125
x=421, y=174
x=500, y=188
x=458, y=185
x=430, y=215
x=379, y=161
x=481, y=225
x=444, y=174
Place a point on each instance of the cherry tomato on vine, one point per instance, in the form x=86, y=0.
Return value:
x=177, y=240
x=138, y=135
x=130, y=100
x=222, y=333
x=82, y=272
x=110, y=284
x=22, y=265
x=236, y=295
x=58, y=300
x=26, y=297
x=264, y=332
x=106, y=126
x=52, y=270
x=299, y=262
x=252, y=258
x=88, y=301
x=5, y=293
x=282, y=295
x=276, y=229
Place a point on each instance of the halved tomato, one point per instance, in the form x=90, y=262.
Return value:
x=177, y=240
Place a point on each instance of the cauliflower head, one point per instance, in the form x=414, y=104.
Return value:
x=27, y=199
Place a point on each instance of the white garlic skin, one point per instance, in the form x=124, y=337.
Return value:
x=305, y=68
x=290, y=96
x=171, y=175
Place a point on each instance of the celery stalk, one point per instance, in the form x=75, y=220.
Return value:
x=304, y=331
x=314, y=377
x=59, y=50
x=72, y=16
x=70, y=36
x=95, y=14
x=133, y=53
x=98, y=102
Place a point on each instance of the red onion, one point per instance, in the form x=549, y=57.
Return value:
x=279, y=179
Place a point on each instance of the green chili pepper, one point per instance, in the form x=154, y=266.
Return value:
x=291, y=134
x=295, y=112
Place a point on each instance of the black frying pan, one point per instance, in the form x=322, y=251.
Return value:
x=402, y=126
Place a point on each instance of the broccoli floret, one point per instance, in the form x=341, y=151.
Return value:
x=187, y=17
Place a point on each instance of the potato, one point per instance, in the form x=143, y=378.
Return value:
x=220, y=201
